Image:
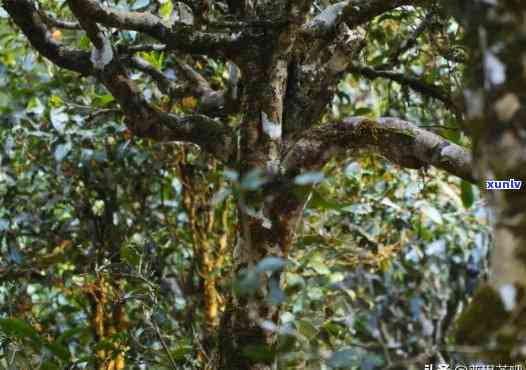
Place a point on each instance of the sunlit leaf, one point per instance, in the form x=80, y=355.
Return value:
x=271, y=264
x=343, y=359
x=467, y=195
x=62, y=150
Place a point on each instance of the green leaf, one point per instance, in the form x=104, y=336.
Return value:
x=371, y=362
x=181, y=351
x=58, y=118
x=306, y=329
x=247, y=283
x=343, y=359
x=311, y=239
x=61, y=151
x=318, y=201
x=103, y=100
x=432, y=213
x=35, y=106
x=130, y=255
x=364, y=111
x=59, y=350
x=259, y=353
x=467, y=195
x=276, y=294
x=166, y=9
x=318, y=263
x=307, y=178
x=20, y=329
x=49, y=365
x=271, y=264
x=253, y=180
x=71, y=333
x=141, y=4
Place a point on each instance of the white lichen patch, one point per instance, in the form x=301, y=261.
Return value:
x=329, y=16
x=309, y=68
x=494, y=69
x=273, y=166
x=507, y=106
x=265, y=222
x=475, y=103
x=270, y=128
x=449, y=151
x=183, y=14
x=508, y=295
x=103, y=56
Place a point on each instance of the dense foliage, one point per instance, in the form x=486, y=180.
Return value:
x=114, y=245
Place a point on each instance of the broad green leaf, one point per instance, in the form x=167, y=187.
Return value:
x=467, y=194
x=309, y=178
x=253, y=180
x=258, y=352
x=59, y=350
x=363, y=111
x=49, y=365
x=58, y=118
x=318, y=201
x=307, y=329
x=270, y=264
x=166, y=9
x=247, y=283
x=343, y=359
x=61, y=151
x=276, y=294
x=20, y=329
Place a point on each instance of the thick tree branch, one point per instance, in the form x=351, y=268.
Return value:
x=399, y=141
x=52, y=21
x=210, y=100
x=417, y=85
x=353, y=12
x=194, y=84
x=167, y=86
x=330, y=41
x=142, y=118
x=176, y=36
x=314, y=77
x=130, y=49
x=28, y=18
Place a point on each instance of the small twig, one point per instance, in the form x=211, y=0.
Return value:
x=431, y=90
x=441, y=126
x=164, y=83
x=50, y=20
x=408, y=43
x=130, y=49
x=247, y=24
x=100, y=112
x=165, y=347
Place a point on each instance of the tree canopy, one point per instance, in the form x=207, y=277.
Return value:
x=257, y=184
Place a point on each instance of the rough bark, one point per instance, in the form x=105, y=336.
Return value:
x=289, y=71
x=496, y=107
x=269, y=230
x=397, y=140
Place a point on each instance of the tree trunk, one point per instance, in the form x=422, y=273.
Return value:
x=244, y=344
x=496, y=108
x=267, y=217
